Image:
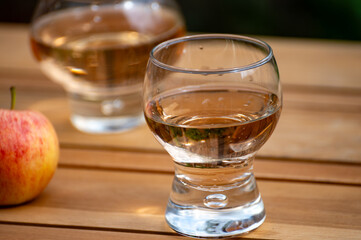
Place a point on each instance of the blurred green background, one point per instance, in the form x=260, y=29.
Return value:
x=332, y=19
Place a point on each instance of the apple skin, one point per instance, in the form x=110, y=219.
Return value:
x=29, y=153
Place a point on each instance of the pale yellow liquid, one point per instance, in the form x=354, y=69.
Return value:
x=87, y=49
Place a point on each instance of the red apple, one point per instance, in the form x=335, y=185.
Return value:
x=29, y=153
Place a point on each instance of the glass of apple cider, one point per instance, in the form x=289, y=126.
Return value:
x=98, y=51
x=212, y=101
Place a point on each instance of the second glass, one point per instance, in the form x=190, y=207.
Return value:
x=98, y=51
x=212, y=101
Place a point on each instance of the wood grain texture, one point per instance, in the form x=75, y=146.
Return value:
x=315, y=100
x=136, y=201
x=316, y=135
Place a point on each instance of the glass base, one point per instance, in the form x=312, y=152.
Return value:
x=216, y=212
x=104, y=125
x=220, y=223
x=106, y=112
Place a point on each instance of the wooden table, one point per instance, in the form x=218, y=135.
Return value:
x=117, y=186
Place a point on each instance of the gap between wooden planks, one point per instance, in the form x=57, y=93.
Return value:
x=135, y=201
x=276, y=169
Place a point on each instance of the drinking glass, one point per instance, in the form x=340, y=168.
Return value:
x=98, y=51
x=212, y=101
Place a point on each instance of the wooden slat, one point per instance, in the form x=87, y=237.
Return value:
x=321, y=100
x=162, y=163
x=318, y=63
x=136, y=201
x=19, y=232
x=328, y=136
x=116, y=160
x=31, y=80
x=290, y=232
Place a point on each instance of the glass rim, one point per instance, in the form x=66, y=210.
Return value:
x=252, y=65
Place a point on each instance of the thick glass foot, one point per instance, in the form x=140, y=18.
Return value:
x=216, y=214
x=105, y=113
x=211, y=223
